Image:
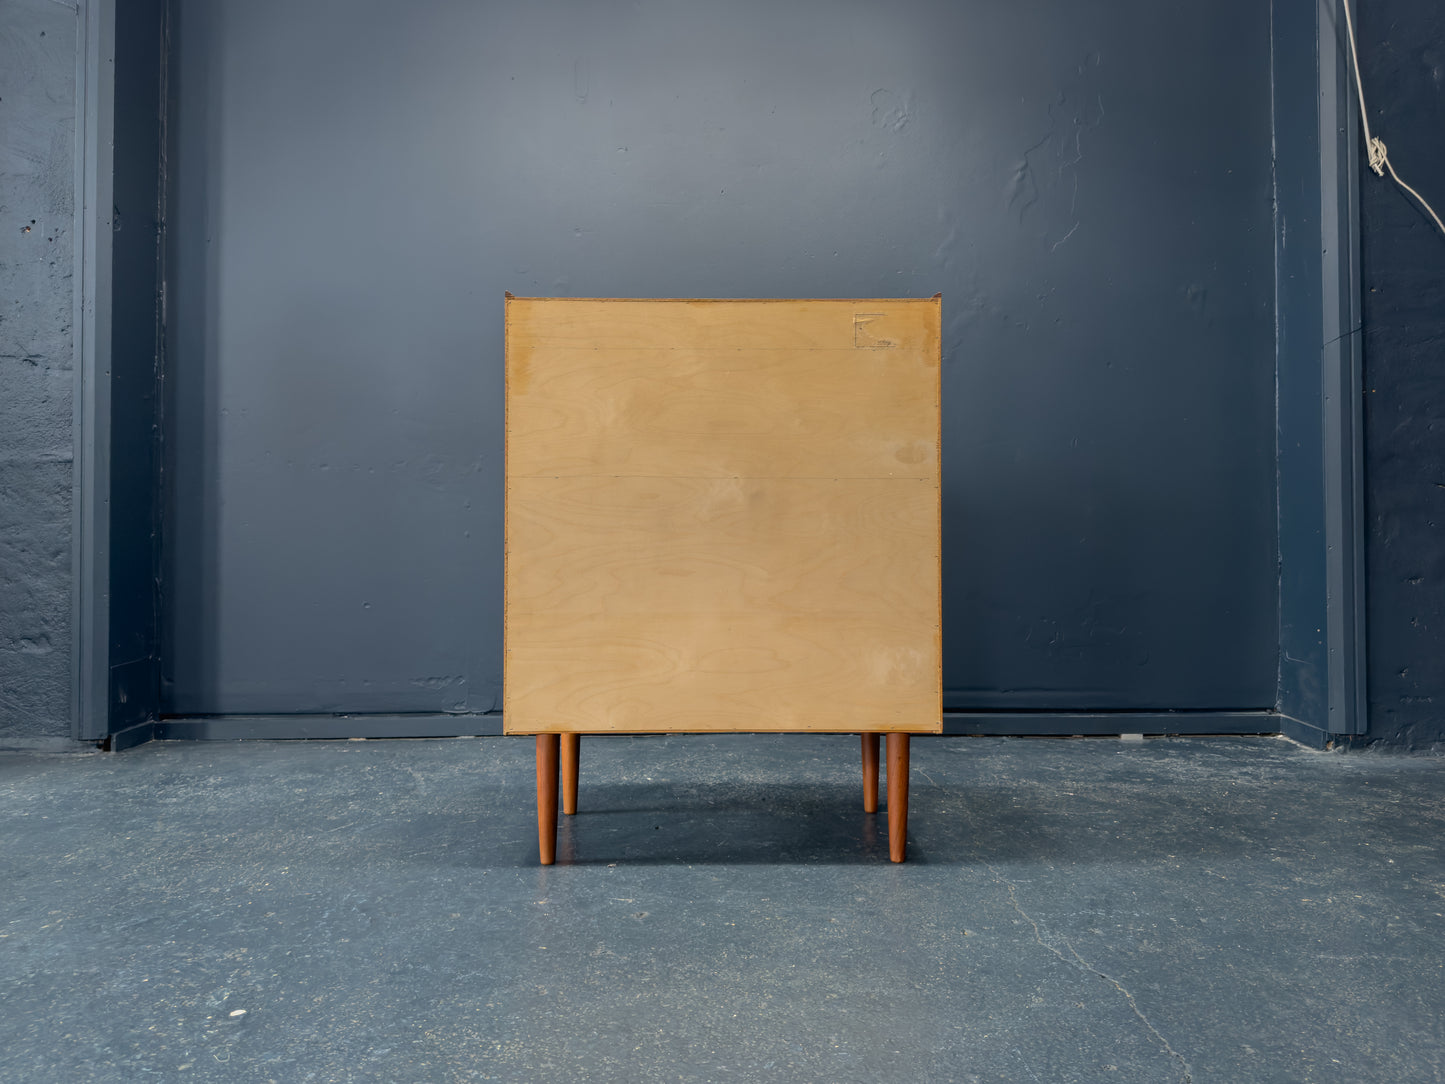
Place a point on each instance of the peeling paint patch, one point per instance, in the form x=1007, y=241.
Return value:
x=451, y=690
x=892, y=110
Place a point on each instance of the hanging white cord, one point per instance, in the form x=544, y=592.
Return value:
x=1379, y=160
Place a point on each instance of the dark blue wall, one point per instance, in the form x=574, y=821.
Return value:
x=1088, y=184
x=1403, y=262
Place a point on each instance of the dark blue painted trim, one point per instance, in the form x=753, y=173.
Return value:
x=1342, y=377
x=1319, y=437
x=120, y=70
x=325, y=727
x=338, y=727
x=94, y=162
x=1089, y=724
x=1299, y=421
x=133, y=370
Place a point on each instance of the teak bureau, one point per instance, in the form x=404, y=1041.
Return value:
x=722, y=516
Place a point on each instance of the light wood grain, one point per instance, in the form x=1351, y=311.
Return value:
x=698, y=545
x=729, y=670
x=714, y=412
x=722, y=516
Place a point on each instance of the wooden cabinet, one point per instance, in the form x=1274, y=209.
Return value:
x=721, y=516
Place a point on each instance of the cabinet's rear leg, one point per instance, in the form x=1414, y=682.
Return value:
x=571, y=749
x=870, y=772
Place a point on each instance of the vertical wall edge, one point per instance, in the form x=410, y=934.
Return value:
x=1341, y=365
x=90, y=540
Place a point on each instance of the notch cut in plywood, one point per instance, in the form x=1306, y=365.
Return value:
x=722, y=515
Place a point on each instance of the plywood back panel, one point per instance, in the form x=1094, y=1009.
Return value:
x=722, y=515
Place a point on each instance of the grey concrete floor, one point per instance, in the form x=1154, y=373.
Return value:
x=1227, y=909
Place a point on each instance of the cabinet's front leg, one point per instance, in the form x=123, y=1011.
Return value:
x=897, y=796
x=547, y=745
x=571, y=750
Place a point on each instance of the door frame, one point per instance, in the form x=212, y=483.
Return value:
x=1326, y=529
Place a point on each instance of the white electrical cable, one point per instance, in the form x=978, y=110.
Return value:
x=1379, y=159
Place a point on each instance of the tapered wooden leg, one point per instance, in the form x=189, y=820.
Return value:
x=870, y=772
x=571, y=747
x=897, y=796
x=547, y=797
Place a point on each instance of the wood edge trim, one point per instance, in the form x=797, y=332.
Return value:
x=529, y=732
x=506, y=488
x=938, y=489
x=935, y=299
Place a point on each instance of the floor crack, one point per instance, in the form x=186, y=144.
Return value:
x=1080, y=962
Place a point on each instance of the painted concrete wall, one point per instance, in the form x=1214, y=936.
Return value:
x=1403, y=265
x=37, y=163
x=1405, y=389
